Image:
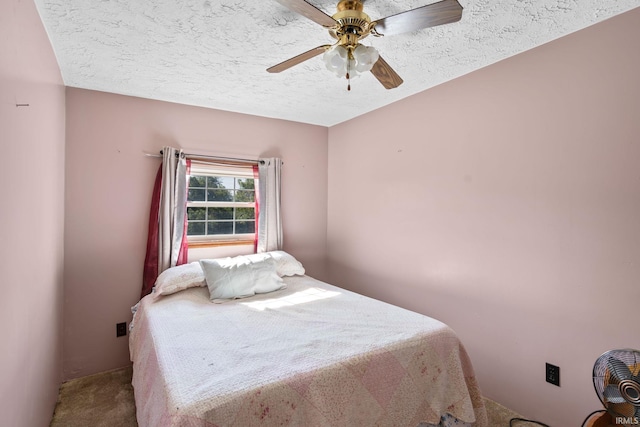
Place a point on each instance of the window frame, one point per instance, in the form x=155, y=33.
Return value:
x=230, y=171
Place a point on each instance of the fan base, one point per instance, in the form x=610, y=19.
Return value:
x=601, y=420
x=605, y=420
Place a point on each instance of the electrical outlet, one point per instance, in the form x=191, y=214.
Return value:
x=553, y=374
x=121, y=329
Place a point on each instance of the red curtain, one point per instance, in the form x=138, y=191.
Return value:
x=150, y=273
x=151, y=259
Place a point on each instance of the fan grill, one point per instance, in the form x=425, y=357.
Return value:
x=616, y=378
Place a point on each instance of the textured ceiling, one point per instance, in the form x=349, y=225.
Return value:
x=214, y=53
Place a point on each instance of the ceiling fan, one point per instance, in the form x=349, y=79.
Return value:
x=349, y=25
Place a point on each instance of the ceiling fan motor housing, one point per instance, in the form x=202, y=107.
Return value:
x=353, y=23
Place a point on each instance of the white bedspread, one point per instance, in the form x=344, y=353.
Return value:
x=308, y=355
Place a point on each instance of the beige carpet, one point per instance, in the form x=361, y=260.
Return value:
x=106, y=400
x=101, y=400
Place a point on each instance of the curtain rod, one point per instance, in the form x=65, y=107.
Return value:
x=201, y=156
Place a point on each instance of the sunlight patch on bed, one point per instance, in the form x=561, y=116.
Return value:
x=308, y=295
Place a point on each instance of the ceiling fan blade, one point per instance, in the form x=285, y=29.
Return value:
x=431, y=15
x=298, y=59
x=385, y=74
x=310, y=11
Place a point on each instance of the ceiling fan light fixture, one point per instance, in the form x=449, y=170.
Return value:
x=342, y=60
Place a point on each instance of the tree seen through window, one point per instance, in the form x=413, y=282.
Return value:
x=220, y=206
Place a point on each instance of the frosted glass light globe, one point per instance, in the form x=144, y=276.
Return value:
x=335, y=60
x=366, y=57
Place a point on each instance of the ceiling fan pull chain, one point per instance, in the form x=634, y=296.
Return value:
x=348, y=73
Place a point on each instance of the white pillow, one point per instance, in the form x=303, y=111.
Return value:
x=286, y=264
x=240, y=277
x=179, y=278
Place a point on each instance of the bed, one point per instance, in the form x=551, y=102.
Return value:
x=307, y=354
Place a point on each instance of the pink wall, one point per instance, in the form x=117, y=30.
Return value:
x=108, y=190
x=507, y=204
x=31, y=218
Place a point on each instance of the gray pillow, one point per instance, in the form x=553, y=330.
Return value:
x=240, y=277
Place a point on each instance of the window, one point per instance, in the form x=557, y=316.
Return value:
x=221, y=204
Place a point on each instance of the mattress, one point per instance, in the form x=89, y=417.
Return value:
x=309, y=355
